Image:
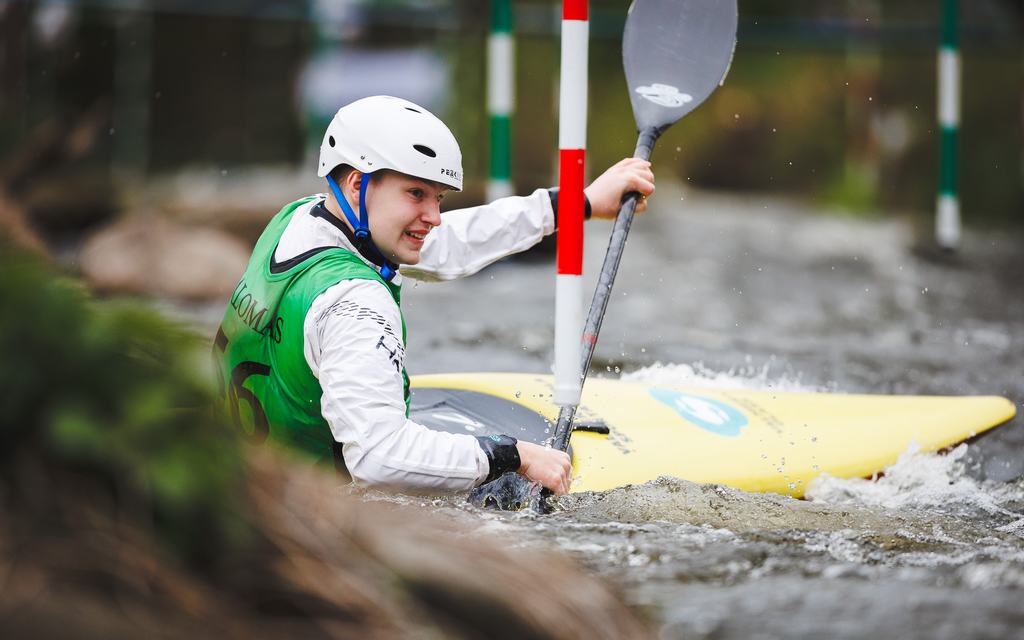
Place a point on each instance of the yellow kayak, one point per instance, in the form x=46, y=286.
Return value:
x=631, y=432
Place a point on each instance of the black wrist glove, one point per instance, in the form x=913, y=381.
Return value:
x=553, y=194
x=502, y=455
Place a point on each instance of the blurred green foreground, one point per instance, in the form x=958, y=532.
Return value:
x=128, y=510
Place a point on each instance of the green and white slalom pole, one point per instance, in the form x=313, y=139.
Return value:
x=572, y=144
x=947, y=216
x=500, y=98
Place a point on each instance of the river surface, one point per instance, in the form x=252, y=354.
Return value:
x=758, y=292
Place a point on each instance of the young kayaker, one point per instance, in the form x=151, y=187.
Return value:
x=312, y=346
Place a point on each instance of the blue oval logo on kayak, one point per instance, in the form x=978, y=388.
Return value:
x=708, y=414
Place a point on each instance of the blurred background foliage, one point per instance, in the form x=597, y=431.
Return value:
x=833, y=100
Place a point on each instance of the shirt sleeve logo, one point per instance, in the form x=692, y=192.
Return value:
x=393, y=349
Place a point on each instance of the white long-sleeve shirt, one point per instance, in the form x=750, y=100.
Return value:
x=353, y=343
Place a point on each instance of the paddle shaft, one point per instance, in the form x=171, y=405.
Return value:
x=603, y=292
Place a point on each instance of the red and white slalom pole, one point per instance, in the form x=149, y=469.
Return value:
x=572, y=143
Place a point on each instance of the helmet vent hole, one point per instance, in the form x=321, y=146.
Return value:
x=330, y=140
x=413, y=110
x=427, y=151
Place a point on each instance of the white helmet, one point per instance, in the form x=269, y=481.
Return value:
x=383, y=132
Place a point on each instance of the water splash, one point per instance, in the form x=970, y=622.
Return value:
x=748, y=376
x=926, y=481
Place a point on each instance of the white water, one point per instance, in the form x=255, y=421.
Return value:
x=926, y=481
x=748, y=376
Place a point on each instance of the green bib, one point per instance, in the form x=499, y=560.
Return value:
x=266, y=384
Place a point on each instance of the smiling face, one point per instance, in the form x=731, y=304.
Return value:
x=402, y=210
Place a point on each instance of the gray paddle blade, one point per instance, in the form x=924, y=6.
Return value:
x=676, y=53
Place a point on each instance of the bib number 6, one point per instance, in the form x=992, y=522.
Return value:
x=236, y=393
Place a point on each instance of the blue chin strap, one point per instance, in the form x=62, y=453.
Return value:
x=361, y=226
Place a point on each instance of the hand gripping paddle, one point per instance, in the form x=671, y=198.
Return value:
x=675, y=53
